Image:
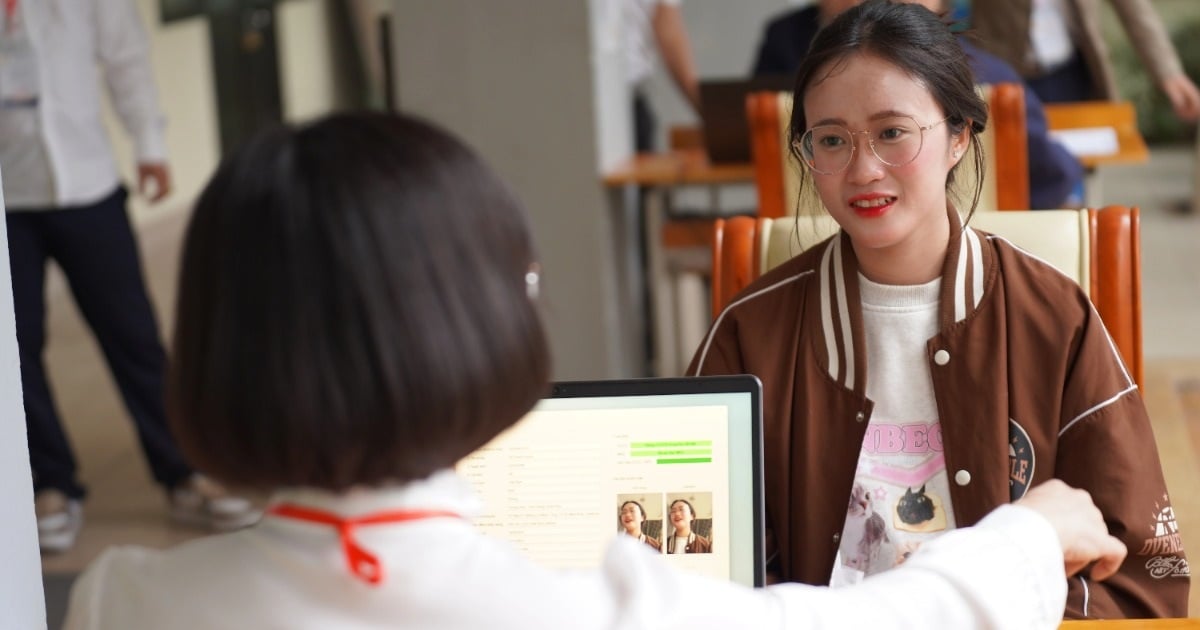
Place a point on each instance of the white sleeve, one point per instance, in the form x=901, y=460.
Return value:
x=85, y=602
x=123, y=52
x=1005, y=573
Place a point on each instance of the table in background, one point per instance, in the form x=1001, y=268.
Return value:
x=1120, y=116
x=676, y=331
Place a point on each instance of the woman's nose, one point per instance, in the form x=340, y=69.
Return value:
x=864, y=166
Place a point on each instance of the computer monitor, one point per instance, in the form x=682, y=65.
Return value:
x=723, y=115
x=555, y=483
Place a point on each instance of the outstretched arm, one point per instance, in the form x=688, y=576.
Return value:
x=673, y=45
x=1158, y=54
x=123, y=53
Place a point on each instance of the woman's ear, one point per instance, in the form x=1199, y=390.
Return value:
x=959, y=143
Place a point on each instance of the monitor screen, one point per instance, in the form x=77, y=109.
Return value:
x=675, y=462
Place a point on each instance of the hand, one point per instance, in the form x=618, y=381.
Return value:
x=1184, y=96
x=1080, y=526
x=155, y=174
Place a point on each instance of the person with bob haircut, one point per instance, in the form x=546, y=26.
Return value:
x=357, y=311
x=917, y=373
x=632, y=515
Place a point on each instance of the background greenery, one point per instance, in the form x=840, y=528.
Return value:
x=1155, y=117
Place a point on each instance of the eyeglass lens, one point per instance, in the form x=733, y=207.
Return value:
x=828, y=149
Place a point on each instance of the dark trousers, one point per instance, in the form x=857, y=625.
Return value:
x=645, y=123
x=95, y=247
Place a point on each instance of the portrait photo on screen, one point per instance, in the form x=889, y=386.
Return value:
x=689, y=523
x=640, y=515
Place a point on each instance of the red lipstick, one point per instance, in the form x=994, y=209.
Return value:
x=876, y=209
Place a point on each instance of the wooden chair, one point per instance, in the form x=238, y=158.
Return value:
x=777, y=175
x=1099, y=249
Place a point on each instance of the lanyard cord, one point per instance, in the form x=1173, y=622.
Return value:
x=362, y=563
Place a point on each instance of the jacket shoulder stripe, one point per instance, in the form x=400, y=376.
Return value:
x=1112, y=347
x=960, y=284
x=827, y=311
x=970, y=257
x=742, y=300
x=976, y=267
x=1096, y=408
x=844, y=312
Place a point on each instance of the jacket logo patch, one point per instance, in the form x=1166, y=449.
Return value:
x=1166, y=538
x=1168, y=566
x=1021, y=460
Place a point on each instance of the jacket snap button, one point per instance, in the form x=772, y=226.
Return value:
x=941, y=357
x=837, y=537
x=962, y=477
x=860, y=416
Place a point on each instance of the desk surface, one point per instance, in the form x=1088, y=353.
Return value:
x=1131, y=624
x=1119, y=115
x=675, y=168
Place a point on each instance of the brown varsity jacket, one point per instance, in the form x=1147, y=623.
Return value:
x=1028, y=387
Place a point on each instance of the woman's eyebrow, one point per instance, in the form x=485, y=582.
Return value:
x=887, y=113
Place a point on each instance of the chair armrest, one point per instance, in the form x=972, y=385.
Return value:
x=1116, y=279
x=733, y=259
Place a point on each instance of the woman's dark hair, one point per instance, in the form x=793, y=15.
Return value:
x=913, y=39
x=352, y=308
x=639, y=507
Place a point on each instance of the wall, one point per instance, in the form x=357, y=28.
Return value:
x=21, y=596
x=526, y=83
x=183, y=71
x=491, y=88
x=314, y=60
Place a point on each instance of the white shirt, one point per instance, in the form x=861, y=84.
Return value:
x=1050, y=33
x=70, y=38
x=641, y=49
x=444, y=574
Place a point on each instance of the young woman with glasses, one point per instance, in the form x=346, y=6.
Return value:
x=917, y=373
x=357, y=312
x=682, y=538
x=632, y=517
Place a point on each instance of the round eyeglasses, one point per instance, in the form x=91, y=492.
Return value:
x=895, y=141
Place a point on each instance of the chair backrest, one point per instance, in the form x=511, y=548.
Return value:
x=777, y=174
x=1099, y=249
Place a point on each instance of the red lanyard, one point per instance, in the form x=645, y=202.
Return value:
x=362, y=563
x=10, y=9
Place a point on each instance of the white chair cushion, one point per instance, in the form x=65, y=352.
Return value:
x=1059, y=237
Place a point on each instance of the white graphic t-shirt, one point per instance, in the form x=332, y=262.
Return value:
x=901, y=493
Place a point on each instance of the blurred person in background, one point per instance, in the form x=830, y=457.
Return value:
x=655, y=28
x=1059, y=47
x=65, y=202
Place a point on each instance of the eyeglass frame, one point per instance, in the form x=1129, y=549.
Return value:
x=798, y=145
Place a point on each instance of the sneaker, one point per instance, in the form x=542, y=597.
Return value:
x=59, y=519
x=202, y=502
